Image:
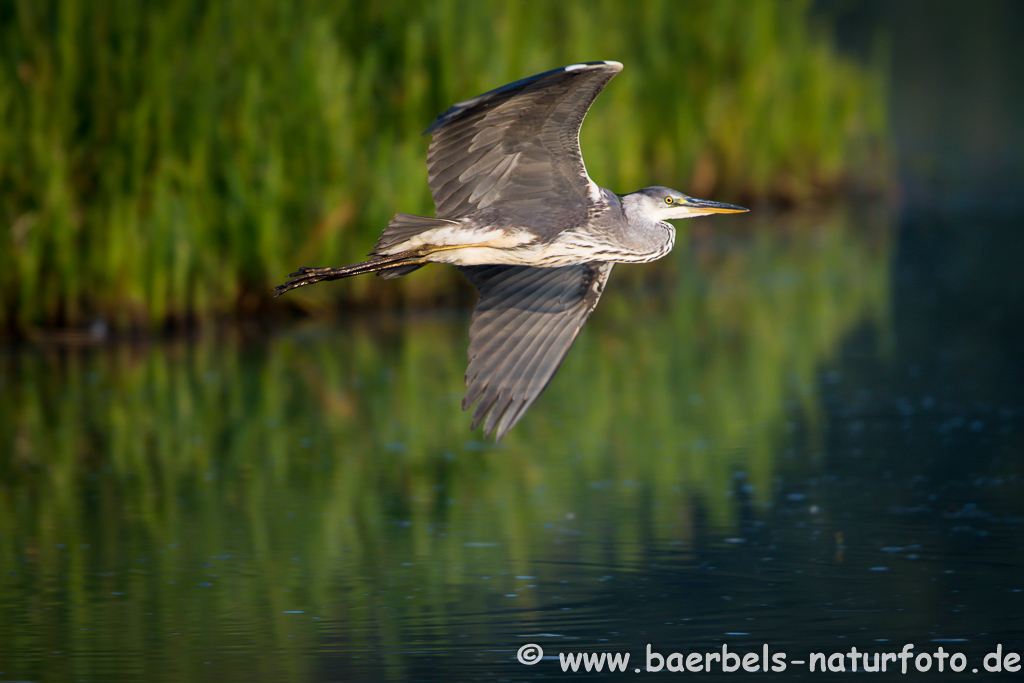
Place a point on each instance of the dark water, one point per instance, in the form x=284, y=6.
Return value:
x=810, y=438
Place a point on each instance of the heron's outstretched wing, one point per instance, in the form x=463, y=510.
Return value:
x=523, y=326
x=518, y=143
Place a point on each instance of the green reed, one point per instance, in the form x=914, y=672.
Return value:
x=163, y=161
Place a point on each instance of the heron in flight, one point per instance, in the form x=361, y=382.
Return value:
x=520, y=217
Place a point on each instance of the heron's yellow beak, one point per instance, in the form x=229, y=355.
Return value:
x=708, y=206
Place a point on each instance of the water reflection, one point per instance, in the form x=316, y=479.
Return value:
x=312, y=505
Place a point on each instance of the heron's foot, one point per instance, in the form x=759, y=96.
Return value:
x=301, y=277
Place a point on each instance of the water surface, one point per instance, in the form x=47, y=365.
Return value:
x=809, y=437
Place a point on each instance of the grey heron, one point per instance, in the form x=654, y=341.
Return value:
x=520, y=217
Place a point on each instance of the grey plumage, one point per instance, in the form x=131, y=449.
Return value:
x=518, y=147
x=523, y=326
x=517, y=212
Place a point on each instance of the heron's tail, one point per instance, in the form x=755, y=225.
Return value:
x=400, y=235
x=402, y=230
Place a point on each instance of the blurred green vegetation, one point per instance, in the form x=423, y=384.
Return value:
x=202, y=491
x=164, y=161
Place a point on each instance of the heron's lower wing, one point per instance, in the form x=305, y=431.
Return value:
x=523, y=326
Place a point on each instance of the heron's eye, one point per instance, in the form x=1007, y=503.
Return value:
x=669, y=200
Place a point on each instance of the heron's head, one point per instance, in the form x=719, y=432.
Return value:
x=663, y=204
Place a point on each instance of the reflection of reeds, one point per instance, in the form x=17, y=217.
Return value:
x=304, y=472
x=167, y=160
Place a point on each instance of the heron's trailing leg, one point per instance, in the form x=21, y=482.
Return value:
x=397, y=264
x=307, y=276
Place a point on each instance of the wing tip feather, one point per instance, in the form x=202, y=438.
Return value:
x=457, y=109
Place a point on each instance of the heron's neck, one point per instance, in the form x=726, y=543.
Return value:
x=632, y=207
x=646, y=236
